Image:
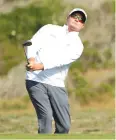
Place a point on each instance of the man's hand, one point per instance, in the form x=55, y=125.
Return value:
x=33, y=65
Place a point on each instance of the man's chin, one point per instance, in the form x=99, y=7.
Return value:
x=74, y=29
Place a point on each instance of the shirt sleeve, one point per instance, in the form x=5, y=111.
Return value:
x=63, y=56
x=36, y=40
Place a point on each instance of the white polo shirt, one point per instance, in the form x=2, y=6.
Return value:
x=56, y=48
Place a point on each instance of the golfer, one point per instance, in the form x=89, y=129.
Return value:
x=53, y=50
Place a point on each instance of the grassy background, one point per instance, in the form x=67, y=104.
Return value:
x=18, y=117
x=98, y=53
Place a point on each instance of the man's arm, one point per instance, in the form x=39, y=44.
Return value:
x=54, y=60
x=62, y=56
x=32, y=50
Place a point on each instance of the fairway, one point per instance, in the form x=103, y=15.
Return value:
x=86, y=124
x=69, y=136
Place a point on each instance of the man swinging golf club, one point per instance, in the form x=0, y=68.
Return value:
x=52, y=51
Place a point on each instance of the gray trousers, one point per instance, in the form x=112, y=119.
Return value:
x=49, y=101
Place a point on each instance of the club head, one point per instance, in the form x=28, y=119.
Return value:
x=27, y=43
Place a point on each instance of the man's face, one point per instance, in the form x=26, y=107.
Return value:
x=75, y=22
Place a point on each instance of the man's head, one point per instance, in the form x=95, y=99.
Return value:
x=76, y=19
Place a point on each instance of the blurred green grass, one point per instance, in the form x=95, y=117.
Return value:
x=62, y=136
x=89, y=120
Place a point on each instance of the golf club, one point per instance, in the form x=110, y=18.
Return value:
x=25, y=44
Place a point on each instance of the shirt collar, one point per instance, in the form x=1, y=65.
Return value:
x=66, y=30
